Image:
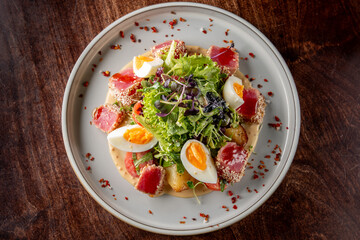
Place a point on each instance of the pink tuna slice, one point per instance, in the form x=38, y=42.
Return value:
x=107, y=117
x=124, y=79
x=151, y=179
x=231, y=161
x=227, y=58
x=159, y=49
x=249, y=108
x=129, y=163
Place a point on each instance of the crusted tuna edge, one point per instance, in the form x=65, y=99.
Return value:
x=229, y=175
x=113, y=108
x=125, y=97
x=160, y=186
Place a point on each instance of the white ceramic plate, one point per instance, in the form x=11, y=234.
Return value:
x=171, y=215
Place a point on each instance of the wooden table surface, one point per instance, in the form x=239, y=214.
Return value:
x=41, y=197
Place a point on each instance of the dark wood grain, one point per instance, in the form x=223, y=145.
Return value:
x=40, y=195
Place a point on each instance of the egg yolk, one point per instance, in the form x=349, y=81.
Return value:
x=139, y=61
x=138, y=135
x=238, y=89
x=196, y=155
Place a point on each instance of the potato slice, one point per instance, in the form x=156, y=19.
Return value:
x=178, y=181
x=237, y=135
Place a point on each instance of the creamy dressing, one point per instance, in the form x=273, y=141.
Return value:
x=118, y=156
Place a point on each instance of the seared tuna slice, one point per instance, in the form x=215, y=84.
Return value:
x=108, y=117
x=231, y=162
x=161, y=48
x=129, y=162
x=253, y=108
x=123, y=86
x=151, y=180
x=227, y=58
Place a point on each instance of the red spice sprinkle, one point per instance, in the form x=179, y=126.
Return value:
x=86, y=84
x=265, y=80
x=94, y=65
x=133, y=38
x=182, y=222
x=184, y=217
x=270, y=94
x=116, y=47
x=233, y=200
x=194, y=219
x=147, y=19
x=99, y=52
x=252, y=55
x=166, y=35
x=248, y=189
x=230, y=193
x=231, y=41
x=164, y=21
x=122, y=35
x=93, y=69
x=269, y=141
x=141, y=27
x=245, y=58
x=113, y=195
x=223, y=206
x=256, y=191
x=210, y=19
x=146, y=28
x=172, y=23
x=277, y=119
x=247, y=76
x=80, y=96
x=287, y=127
x=204, y=31
x=234, y=207
x=275, y=125
x=266, y=170
x=202, y=214
x=227, y=32
x=126, y=198
x=154, y=30
x=237, y=196
x=267, y=156
x=251, y=167
x=182, y=19
x=136, y=23
x=85, y=107
x=259, y=86
x=100, y=60
x=172, y=12
x=106, y=73
x=88, y=168
x=178, y=29
x=88, y=155
x=256, y=176
x=150, y=212
x=252, y=79
x=90, y=122
x=92, y=159
x=225, y=41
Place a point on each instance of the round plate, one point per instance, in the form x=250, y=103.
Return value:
x=87, y=146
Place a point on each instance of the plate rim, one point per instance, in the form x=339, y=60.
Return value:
x=209, y=228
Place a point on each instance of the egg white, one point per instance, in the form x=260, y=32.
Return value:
x=229, y=93
x=116, y=138
x=209, y=175
x=148, y=68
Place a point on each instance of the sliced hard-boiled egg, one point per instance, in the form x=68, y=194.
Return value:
x=197, y=161
x=233, y=92
x=146, y=66
x=133, y=138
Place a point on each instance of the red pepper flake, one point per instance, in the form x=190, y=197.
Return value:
x=85, y=107
x=265, y=80
x=262, y=162
x=136, y=23
x=230, y=193
x=154, y=30
x=141, y=28
x=94, y=65
x=88, y=168
x=277, y=119
x=90, y=122
x=267, y=156
x=231, y=41
x=211, y=25
x=256, y=191
x=139, y=40
x=105, y=183
x=164, y=21
x=235, y=207
x=92, y=159
x=210, y=19
x=99, y=52
x=246, y=59
x=92, y=69
x=275, y=125
x=113, y=195
x=85, y=84
x=172, y=35
x=126, y=198
x=251, y=167
x=182, y=222
x=182, y=19
x=248, y=189
x=247, y=76
x=256, y=176
x=287, y=128
x=194, y=219
x=270, y=94
x=147, y=19
x=252, y=79
x=225, y=41
x=133, y=38
x=115, y=47
x=172, y=23
x=266, y=170
x=205, y=216
x=81, y=95
x=259, y=86
x=146, y=28
x=227, y=32
x=106, y=73
x=237, y=196
x=122, y=35
x=233, y=200
x=252, y=55
x=172, y=12
x=269, y=141
x=88, y=155
x=166, y=35
x=178, y=29
x=184, y=217
x=223, y=206
x=150, y=212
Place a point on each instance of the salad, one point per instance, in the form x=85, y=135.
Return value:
x=181, y=119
